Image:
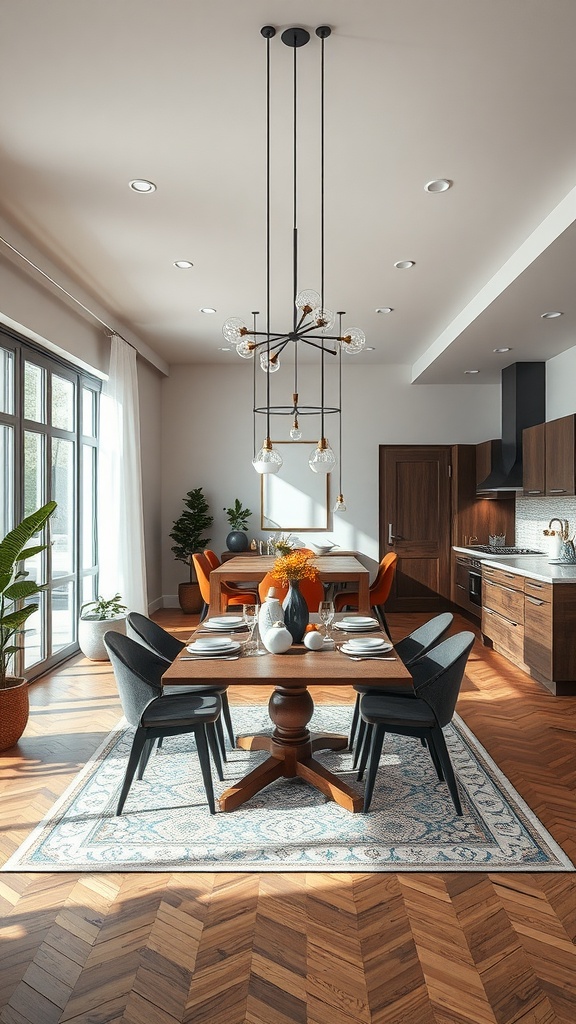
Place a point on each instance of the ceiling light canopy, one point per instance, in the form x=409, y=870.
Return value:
x=312, y=323
x=142, y=186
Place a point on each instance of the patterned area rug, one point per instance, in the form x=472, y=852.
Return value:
x=289, y=826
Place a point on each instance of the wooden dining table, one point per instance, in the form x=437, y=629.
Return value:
x=291, y=746
x=253, y=568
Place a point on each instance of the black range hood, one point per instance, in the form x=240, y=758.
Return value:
x=523, y=405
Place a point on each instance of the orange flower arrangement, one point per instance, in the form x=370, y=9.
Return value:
x=293, y=567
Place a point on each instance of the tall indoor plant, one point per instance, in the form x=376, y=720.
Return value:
x=187, y=533
x=14, y=589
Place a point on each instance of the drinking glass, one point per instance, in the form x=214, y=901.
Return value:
x=252, y=647
x=326, y=613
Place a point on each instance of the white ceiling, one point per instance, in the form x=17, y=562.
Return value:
x=483, y=93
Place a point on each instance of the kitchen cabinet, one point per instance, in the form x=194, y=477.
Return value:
x=531, y=623
x=549, y=458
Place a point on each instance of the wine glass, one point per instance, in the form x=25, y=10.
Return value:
x=326, y=613
x=252, y=647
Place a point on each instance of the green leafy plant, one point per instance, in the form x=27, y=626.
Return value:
x=103, y=608
x=188, y=528
x=237, y=516
x=15, y=587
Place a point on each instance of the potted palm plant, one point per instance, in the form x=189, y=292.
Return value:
x=187, y=533
x=96, y=618
x=237, y=517
x=14, y=589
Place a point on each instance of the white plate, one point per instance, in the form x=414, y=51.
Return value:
x=232, y=622
x=212, y=646
x=368, y=641
x=348, y=649
x=359, y=620
x=349, y=628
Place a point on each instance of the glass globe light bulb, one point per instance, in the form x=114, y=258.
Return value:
x=267, y=460
x=269, y=366
x=322, y=460
x=340, y=505
x=324, y=314
x=245, y=348
x=295, y=432
x=353, y=341
x=308, y=298
x=234, y=330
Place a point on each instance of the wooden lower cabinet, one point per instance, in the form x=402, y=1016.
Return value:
x=532, y=624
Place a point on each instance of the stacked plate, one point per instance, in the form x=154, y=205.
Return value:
x=366, y=645
x=225, y=624
x=357, y=624
x=213, y=646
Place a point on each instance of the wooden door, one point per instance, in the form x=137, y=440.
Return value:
x=560, y=456
x=534, y=459
x=415, y=521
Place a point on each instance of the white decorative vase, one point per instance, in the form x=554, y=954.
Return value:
x=270, y=612
x=277, y=639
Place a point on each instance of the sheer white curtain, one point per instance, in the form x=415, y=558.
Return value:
x=121, y=554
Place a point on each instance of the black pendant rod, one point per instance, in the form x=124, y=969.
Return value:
x=269, y=35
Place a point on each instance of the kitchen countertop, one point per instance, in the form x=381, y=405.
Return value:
x=536, y=566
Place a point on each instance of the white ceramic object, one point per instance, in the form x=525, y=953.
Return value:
x=270, y=612
x=348, y=648
x=277, y=639
x=91, y=635
x=314, y=640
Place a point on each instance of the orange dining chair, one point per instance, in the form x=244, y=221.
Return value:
x=215, y=563
x=312, y=590
x=379, y=591
x=232, y=597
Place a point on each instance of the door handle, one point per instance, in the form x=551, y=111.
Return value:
x=391, y=536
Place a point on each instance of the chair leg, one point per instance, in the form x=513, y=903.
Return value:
x=359, y=742
x=435, y=759
x=202, y=748
x=215, y=749
x=439, y=742
x=228, y=719
x=133, y=760
x=144, y=758
x=354, y=725
x=220, y=735
x=374, y=760
x=204, y=612
x=379, y=609
x=365, y=751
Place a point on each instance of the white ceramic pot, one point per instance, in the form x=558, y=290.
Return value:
x=277, y=639
x=91, y=635
x=270, y=612
x=314, y=640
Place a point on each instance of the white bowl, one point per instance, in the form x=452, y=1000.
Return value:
x=323, y=549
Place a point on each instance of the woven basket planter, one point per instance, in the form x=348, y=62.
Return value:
x=14, y=709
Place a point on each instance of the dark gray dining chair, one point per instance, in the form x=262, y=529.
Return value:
x=138, y=673
x=409, y=649
x=437, y=679
x=169, y=647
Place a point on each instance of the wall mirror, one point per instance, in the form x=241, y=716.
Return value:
x=295, y=499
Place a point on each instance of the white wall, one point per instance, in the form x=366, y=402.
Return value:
x=561, y=385
x=207, y=442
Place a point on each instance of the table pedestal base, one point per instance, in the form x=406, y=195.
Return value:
x=291, y=748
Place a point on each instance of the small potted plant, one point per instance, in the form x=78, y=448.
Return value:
x=187, y=533
x=14, y=589
x=96, y=618
x=237, y=516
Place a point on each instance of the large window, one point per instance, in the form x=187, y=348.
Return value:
x=48, y=448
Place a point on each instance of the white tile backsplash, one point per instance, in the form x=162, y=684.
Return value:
x=533, y=516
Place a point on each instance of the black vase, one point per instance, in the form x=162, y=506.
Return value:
x=237, y=540
x=296, y=614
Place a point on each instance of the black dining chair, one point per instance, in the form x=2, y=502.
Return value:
x=138, y=673
x=437, y=679
x=169, y=647
x=409, y=649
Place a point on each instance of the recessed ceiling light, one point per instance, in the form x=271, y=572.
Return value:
x=207, y=309
x=385, y=309
x=370, y=348
x=183, y=264
x=438, y=185
x=224, y=348
x=404, y=264
x=551, y=316
x=471, y=371
x=141, y=185
x=501, y=349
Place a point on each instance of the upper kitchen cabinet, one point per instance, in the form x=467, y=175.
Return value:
x=550, y=458
x=534, y=460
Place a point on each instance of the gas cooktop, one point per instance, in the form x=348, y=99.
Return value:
x=489, y=550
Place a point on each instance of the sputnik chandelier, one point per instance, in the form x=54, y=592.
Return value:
x=312, y=322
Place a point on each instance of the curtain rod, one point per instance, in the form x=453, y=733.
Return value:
x=90, y=312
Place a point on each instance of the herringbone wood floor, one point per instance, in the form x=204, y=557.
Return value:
x=286, y=948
